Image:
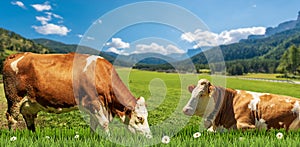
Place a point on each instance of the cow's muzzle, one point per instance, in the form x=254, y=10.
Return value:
x=188, y=111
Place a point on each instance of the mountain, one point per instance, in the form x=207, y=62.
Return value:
x=288, y=25
x=56, y=46
x=11, y=42
x=144, y=58
x=271, y=47
x=193, y=52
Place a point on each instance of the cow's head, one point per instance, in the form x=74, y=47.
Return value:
x=138, y=121
x=200, y=99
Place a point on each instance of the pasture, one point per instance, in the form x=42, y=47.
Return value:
x=166, y=94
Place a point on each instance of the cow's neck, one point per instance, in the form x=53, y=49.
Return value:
x=225, y=116
x=124, y=101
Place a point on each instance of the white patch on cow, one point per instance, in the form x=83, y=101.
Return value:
x=254, y=101
x=89, y=61
x=211, y=129
x=138, y=121
x=260, y=124
x=123, y=118
x=280, y=123
x=14, y=65
x=288, y=100
x=296, y=109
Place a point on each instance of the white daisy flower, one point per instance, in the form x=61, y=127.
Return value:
x=47, y=137
x=14, y=138
x=76, y=136
x=279, y=135
x=197, y=134
x=241, y=138
x=165, y=139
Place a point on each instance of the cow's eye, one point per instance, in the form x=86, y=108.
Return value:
x=140, y=119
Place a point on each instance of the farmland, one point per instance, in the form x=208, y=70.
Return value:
x=166, y=94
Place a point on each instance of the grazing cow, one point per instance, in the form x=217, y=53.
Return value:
x=238, y=109
x=49, y=82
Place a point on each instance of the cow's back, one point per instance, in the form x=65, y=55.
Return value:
x=263, y=110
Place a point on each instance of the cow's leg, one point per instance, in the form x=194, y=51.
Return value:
x=29, y=111
x=29, y=119
x=12, y=117
x=13, y=112
x=244, y=125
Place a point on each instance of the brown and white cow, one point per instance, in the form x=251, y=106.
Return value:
x=238, y=109
x=49, y=82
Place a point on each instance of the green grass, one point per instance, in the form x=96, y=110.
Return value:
x=166, y=94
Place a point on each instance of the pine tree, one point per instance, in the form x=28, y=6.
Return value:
x=290, y=60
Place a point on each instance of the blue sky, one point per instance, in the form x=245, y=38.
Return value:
x=71, y=22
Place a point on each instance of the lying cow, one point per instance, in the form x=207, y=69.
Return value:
x=36, y=82
x=238, y=109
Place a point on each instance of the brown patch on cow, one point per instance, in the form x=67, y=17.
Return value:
x=226, y=100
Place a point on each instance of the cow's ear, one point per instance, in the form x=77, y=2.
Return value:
x=191, y=88
x=141, y=101
x=210, y=88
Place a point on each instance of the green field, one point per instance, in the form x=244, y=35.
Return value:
x=166, y=94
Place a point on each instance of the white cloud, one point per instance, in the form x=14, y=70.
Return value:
x=50, y=28
x=117, y=46
x=99, y=21
x=19, y=3
x=117, y=43
x=85, y=37
x=57, y=16
x=117, y=51
x=42, y=7
x=43, y=20
x=90, y=38
x=206, y=38
x=155, y=48
x=54, y=15
x=47, y=27
x=232, y=36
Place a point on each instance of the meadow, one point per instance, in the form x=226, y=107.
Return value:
x=166, y=94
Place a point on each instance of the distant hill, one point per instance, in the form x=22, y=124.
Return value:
x=145, y=58
x=56, y=46
x=288, y=25
x=11, y=42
